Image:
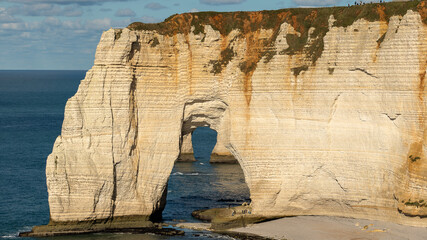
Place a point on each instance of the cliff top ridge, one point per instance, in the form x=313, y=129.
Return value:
x=300, y=18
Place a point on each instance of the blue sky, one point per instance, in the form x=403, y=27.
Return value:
x=63, y=34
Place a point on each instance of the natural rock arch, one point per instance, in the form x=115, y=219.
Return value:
x=343, y=136
x=193, y=185
x=220, y=154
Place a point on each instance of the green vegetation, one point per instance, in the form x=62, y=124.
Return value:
x=247, y=66
x=154, y=42
x=381, y=39
x=198, y=28
x=296, y=44
x=400, y=8
x=225, y=57
x=373, y=12
x=298, y=70
x=310, y=45
x=216, y=66
x=414, y=159
x=417, y=204
x=118, y=34
x=315, y=50
x=305, y=18
x=268, y=54
x=311, y=23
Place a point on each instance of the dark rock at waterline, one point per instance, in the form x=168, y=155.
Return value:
x=186, y=157
x=243, y=236
x=226, y=218
x=77, y=228
x=158, y=231
x=214, y=158
x=234, y=201
x=228, y=159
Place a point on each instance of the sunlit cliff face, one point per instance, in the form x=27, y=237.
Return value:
x=324, y=109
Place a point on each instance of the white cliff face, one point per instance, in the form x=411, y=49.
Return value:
x=344, y=136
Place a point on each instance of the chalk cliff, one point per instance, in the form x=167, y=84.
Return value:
x=324, y=109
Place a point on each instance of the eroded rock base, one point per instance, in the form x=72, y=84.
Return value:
x=186, y=157
x=133, y=225
x=215, y=158
x=233, y=217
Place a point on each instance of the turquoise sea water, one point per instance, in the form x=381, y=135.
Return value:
x=31, y=114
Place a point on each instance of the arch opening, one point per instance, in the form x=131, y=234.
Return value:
x=203, y=141
x=195, y=183
x=199, y=184
x=206, y=114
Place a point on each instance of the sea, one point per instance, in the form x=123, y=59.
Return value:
x=31, y=114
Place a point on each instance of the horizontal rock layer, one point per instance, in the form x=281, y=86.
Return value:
x=322, y=123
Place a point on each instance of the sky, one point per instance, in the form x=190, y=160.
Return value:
x=63, y=34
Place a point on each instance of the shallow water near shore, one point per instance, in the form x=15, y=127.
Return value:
x=31, y=113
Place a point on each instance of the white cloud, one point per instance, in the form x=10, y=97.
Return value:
x=20, y=26
x=125, y=13
x=154, y=6
x=53, y=38
x=11, y=26
x=52, y=22
x=221, y=2
x=193, y=10
x=98, y=24
x=65, y=2
x=45, y=9
x=25, y=35
x=315, y=3
x=71, y=25
x=5, y=17
x=56, y=26
x=71, y=11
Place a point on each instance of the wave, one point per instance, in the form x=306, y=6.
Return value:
x=191, y=174
x=10, y=236
x=16, y=234
x=212, y=236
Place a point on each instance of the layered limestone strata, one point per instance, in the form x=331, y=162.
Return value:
x=325, y=116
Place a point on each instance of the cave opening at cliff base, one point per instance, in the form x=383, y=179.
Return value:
x=199, y=182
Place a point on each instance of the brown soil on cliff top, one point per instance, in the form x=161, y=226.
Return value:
x=300, y=18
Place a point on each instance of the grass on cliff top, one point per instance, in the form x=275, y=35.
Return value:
x=301, y=19
x=304, y=18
